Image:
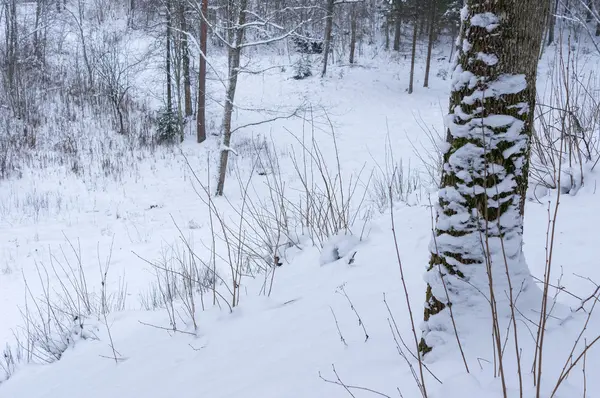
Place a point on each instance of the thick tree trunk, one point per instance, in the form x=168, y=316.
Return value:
x=201, y=111
x=479, y=229
x=433, y=5
x=234, y=58
x=327, y=40
x=353, y=27
x=413, y=56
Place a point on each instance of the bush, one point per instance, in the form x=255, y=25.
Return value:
x=303, y=68
x=169, y=128
x=308, y=46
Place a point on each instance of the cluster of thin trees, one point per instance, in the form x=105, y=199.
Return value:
x=341, y=25
x=185, y=28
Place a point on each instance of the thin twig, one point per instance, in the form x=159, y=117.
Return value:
x=349, y=387
x=338, y=327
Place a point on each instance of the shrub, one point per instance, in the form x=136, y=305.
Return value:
x=169, y=128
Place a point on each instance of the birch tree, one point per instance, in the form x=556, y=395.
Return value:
x=478, y=237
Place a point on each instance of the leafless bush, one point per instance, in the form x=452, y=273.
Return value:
x=67, y=310
x=328, y=203
x=571, y=117
x=430, y=154
x=115, y=71
x=49, y=105
x=10, y=149
x=394, y=184
x=182, y=278
x=12, y=356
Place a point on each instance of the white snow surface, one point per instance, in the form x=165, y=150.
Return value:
x=277, y=346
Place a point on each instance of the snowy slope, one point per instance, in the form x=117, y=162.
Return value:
x=276, y=347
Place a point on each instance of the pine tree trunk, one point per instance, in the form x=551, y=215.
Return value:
x=185, y=61
x=413, y=56
x=201, y=106
x=328, y=31
x=168, y=60
x=485, y=173
x=353, y=28
x=387, y=33
x=597, y=16
x=552, y=21
x=433, y=5
x=36, y=33
x=131, y=13
x=588, y=11
x=397, y=25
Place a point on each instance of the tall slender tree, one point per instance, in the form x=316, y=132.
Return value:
x=433, y=6
x=413, y=55
x=353, y=28
x=328, y=35
x=201, y=101
x=168, y=65
x=478, y=234
x=185, y=57
x=397, y=18
x=234, y=53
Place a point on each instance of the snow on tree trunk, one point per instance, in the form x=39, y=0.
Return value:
x=479, y=227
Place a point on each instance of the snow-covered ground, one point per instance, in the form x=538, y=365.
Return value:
x=285, y=344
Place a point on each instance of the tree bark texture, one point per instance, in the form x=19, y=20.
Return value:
x=328, y=33
x=234, y=66
x=201, y=106
x=479, y=225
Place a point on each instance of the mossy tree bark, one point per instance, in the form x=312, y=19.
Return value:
x=479, y=226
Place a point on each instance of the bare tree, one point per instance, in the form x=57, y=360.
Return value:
x=235, y=50
x=185, y=57
x=239, y=23
x=115, y=69
x=79, y=20
x=201, y=105
x=353, y=28
x=12, y=75
x=328, y=35
x=397, y=18
x=413, y=55
x=431, y=36
x=169, y=33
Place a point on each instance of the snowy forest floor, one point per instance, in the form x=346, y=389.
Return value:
x=275, y=346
